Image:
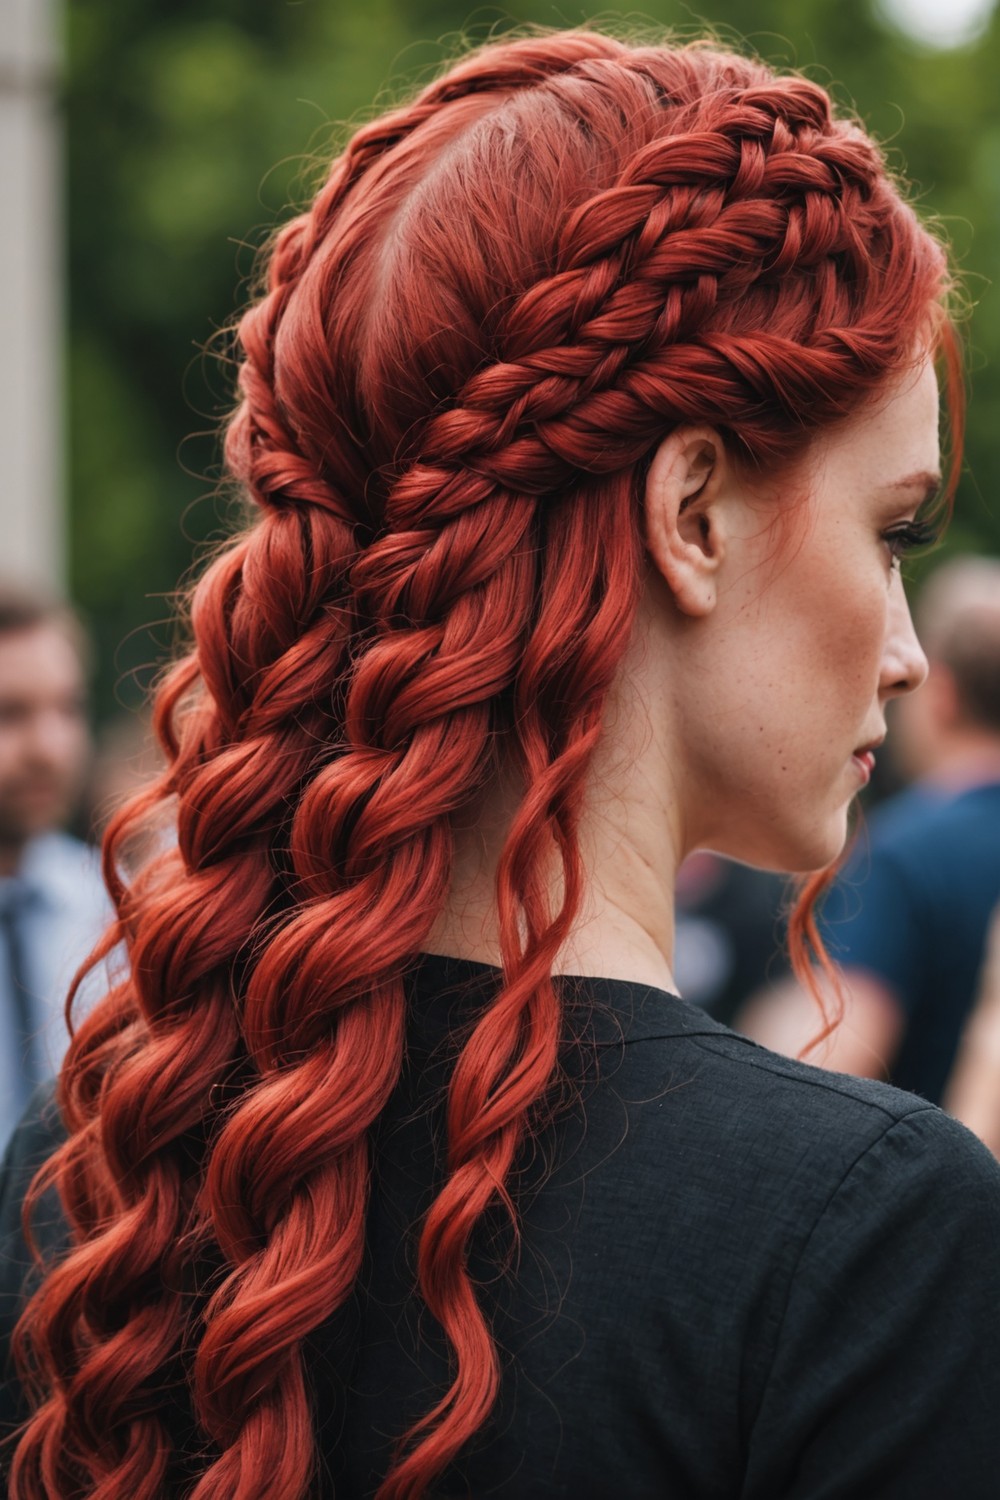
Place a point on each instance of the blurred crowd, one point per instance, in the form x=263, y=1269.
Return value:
x=912, y=919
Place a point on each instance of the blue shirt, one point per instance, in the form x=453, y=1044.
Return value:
x=912, y=908
x=61, y=908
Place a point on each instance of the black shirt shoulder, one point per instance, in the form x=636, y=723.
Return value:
x=747, y=1265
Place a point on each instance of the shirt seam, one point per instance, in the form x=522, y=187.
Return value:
x=758, y=1056
x=807, y=1242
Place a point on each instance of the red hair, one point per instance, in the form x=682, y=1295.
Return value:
x=502, y=298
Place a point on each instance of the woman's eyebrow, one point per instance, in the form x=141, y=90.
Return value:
x=925, y=479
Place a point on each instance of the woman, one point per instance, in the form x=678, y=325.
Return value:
x=587, y=412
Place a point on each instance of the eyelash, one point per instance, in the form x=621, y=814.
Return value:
x=907, y=538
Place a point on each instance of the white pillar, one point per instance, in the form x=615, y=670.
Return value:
x=31, y=296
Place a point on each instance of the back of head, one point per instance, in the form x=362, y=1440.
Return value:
x=959, y=623
x=569, y=247
x=24, y=608
x=502, y=298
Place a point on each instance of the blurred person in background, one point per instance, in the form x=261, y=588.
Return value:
x=53, y=905
x=973, y=1092
x=731, y=934
x=907, y=918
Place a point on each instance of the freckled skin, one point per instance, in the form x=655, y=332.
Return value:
x=811, y=635
x=766, y=645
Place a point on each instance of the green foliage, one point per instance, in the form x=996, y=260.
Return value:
x=193, y=124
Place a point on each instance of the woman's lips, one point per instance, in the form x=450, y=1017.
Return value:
x=865, y=762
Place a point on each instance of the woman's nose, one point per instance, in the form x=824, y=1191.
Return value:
x=904, y=665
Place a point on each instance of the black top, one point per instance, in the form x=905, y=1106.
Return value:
x=740, y=1277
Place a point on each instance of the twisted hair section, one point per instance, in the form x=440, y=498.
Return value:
x=504, y=296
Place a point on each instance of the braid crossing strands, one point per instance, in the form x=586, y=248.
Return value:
x=504, y=296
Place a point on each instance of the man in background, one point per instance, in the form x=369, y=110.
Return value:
x=53, y=905
x=907, y=919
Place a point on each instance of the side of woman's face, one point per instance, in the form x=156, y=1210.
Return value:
x=789, y=676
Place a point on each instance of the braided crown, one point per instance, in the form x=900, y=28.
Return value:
x=741, y=260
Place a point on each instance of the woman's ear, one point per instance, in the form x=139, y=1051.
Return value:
x=684, y=534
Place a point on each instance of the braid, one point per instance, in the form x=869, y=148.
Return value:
x=620, y=337
x=508, y=1066
x=287, y=1181
x=444, y=432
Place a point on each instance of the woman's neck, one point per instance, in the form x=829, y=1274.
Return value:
x=625, y=925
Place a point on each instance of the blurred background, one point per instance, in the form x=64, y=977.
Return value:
x=149, y=146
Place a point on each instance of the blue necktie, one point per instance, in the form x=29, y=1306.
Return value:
x=25, y=1023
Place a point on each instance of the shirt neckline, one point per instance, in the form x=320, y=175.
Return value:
x=476, y=968
x=635, y=1011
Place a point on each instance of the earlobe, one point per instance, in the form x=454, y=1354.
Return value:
x=683, y=535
